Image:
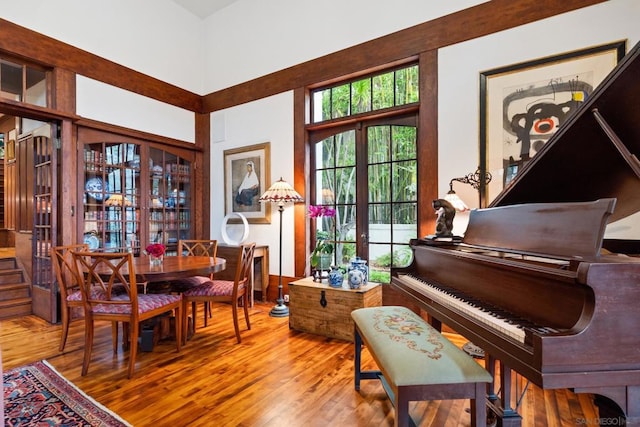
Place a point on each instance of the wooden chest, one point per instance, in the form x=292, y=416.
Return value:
x=320, y=309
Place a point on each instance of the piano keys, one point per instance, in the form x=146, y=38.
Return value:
x=489, y=315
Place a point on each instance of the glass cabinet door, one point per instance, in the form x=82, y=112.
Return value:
x=112, y=196
x=169, y=199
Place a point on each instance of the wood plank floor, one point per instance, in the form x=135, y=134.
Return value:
x=275, y=377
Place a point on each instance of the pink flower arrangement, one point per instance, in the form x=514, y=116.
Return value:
x=323, y=246
x=156, y=249
x=318, y=211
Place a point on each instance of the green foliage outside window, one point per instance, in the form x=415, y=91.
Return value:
x=391, y=167
x=385, y=90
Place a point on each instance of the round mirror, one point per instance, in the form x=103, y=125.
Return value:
x=235, y=229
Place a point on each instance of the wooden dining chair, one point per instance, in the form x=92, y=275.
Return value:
x=72, y=307
x=107, y=271
x=234, y=291
x=69, y=286
x=196, y=247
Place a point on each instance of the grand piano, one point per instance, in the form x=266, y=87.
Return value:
x=533, y=282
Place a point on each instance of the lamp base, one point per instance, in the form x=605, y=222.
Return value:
x=279, y=310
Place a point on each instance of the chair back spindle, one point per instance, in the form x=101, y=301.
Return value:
x=69, y=286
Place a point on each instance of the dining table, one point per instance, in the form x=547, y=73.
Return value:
x=177, y=267
x=172, y=268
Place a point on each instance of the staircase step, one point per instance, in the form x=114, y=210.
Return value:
x=15, y=308
x=8, y=263
x=11, y=276
x=10, y=291
x=15, y=294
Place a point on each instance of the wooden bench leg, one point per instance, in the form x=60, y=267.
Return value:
x=402, y=417
x=357, y=339
x=359, y=374
x=479, y=407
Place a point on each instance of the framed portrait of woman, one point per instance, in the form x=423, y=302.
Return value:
x=246, y=177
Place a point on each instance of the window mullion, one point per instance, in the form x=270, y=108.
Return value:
x=362, y=190
x=23, y=95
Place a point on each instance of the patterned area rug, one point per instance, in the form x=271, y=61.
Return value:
x=38, y=395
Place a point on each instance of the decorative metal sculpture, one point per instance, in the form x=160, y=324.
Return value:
x=444, y=223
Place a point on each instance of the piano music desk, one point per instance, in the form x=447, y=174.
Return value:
x=317, y=308
x=416, y=362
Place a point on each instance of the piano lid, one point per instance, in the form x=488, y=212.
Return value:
x=594, y=155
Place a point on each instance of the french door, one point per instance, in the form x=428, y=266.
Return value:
x=367, y=172
x=39, y=149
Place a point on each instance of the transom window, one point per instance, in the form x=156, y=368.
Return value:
x=375, y=92
x=23, y=82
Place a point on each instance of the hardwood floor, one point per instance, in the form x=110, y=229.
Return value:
x=275, y=377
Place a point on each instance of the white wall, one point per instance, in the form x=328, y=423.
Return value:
x=267, y=120
x=251, y=38
x=458, y=107
x=461, y=64
x=99, y=101
x=155, y=37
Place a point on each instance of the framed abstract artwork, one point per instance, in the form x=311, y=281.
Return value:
x=522, y=106
x=246, y=177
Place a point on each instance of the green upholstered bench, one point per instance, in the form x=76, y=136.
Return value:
x=416, y=362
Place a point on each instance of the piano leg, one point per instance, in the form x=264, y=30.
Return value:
x=609, y=411
x=500, y=404
x=633, y=408
x=490, y=365
x=616, y=405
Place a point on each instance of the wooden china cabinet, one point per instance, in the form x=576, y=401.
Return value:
x=133, y=193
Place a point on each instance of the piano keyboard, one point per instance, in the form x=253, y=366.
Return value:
x=494, y=317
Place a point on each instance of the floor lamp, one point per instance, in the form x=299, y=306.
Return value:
x=280, y=192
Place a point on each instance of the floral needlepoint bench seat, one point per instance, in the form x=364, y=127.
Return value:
x=416, y=362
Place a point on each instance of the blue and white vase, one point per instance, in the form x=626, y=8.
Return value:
x=360, y=264
x=335, y=277
x=355, y=279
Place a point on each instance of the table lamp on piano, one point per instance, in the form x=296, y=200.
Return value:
x=474, y=179
x=446, y=208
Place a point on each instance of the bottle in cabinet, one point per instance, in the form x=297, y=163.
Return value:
x=170, y=199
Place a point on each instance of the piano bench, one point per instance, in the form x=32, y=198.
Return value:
x=416, y=362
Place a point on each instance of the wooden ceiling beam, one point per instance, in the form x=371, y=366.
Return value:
x=33, y=46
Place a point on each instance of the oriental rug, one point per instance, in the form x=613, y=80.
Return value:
x=37, y=394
